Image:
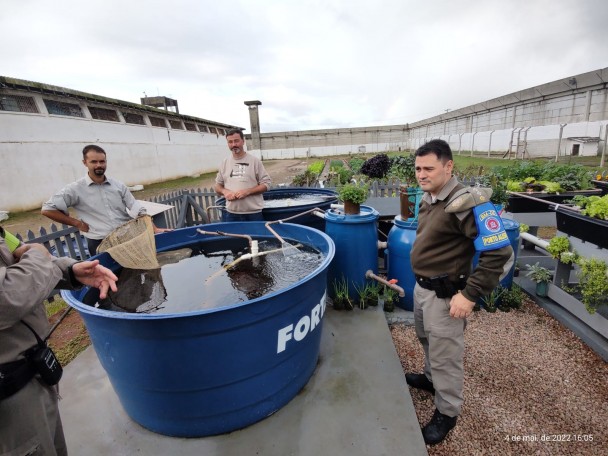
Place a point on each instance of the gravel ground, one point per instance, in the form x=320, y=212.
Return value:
x=531, y=387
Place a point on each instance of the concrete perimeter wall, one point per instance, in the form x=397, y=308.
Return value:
x=526, y=124
x=42, y=152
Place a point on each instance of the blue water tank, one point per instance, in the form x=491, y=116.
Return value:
x=356, y=240
x=321, y=198
x=400, y=241
x=216, y=370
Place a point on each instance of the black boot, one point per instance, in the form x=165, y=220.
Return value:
x=420, y=381
x=437, y=429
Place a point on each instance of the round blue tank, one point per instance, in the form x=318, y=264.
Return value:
x=270, y=214
x=400, y=240
x=356, y=240
x=216, y=370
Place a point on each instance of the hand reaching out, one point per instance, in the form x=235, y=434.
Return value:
x=93, y=274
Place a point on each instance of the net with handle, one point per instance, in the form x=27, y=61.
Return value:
x=132, y=245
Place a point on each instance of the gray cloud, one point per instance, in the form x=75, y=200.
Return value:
x=312, y=63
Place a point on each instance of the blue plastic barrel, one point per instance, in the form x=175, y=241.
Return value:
x=356, y=240
x=216, y=370
x=279, y=213
x=400, y=240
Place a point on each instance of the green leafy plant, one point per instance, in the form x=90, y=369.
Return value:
x=353, y=193
x=334, y=165
x=593, y=276
x=341, y=299
x=491, y=301
x=389, y=297
x=511, y=298
x=558, y=245
x=499, y=188
x=316, y=167
x=403, y=168
x=593, y=206
x=523, y=228
x=569, y=257
x=374, y=289
x=304, y=179
x=364, y=293
x=538, y=273
x=355, y=164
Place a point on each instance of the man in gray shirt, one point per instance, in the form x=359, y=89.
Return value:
x=100, y=202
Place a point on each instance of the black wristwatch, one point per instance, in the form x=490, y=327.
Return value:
x=75, y=283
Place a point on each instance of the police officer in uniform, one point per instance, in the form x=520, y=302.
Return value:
x=29, y=414
x=454, y=222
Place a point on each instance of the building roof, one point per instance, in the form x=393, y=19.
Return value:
x=38, y=87
x=584, y=139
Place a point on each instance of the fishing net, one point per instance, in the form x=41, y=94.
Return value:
x=132, y=245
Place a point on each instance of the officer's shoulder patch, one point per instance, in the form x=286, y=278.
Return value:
x=467, y=198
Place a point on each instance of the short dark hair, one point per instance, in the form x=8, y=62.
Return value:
x=92, y=147
x=438, y=147
x=235, y=131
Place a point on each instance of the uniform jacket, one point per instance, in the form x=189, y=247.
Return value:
x=24, y=285
x=444, y=244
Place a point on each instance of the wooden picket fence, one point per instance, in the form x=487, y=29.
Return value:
x=188, y=208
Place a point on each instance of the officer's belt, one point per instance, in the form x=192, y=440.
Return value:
x=427, y=283
x=14, y=376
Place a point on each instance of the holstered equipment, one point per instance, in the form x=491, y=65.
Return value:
x=441, y=285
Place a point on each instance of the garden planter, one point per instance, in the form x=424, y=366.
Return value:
x=601, y=185
x=351, y=208
x=586, y=228
x=541, y=289
x=517, y=204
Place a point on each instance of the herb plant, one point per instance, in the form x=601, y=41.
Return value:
x=353, y=193
x=558, y=245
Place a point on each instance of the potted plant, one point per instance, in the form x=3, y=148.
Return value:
x=341, y=300
x=352, y=195
x=363, y=293
x=541, y=275
x=390, y=296
x=374, y=290
x=593, y=283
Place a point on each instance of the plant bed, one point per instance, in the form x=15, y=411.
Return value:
x=596, y=321
x=601, y=185
x=587, y=228
x=518, y=204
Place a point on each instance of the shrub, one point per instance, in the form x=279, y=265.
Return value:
x=376, y=167
x=403, y=168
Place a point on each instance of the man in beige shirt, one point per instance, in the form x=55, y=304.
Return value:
x=242, y=179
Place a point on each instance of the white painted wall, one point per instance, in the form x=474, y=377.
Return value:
x=42, y=153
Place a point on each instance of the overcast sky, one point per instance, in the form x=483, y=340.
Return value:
x=312, y=63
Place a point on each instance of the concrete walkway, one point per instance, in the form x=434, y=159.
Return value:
x=356, y=403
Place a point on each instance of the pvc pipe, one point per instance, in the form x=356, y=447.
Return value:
x=534, y=240
x=370, y=275
x=222, y=233
x=382, y=245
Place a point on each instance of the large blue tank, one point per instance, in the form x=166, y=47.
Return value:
x=356, y=240
x=216, y=370
x=295, y=203
x=400, y=240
